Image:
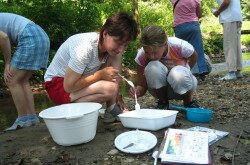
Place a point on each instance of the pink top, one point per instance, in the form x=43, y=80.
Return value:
x=185, y=11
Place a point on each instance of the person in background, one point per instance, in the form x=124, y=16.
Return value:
x=187, y=27
x=163, y=68
x=85, y=68
x=31, y=53
x=230, y=17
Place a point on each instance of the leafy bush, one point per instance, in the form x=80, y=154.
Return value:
x=130, y=54
x=63, y=18
x=245, y=9
x=213, y=43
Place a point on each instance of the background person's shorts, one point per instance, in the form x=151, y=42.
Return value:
x=56, y=91
x=32, y=51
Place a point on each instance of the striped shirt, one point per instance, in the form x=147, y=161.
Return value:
x=178, y=52
x=79, y=53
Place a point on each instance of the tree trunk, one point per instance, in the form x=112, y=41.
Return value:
x=136, y=13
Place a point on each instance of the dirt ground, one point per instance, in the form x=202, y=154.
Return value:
x=229, y=100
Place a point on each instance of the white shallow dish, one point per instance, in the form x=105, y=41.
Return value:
x=148, y=119
x=143, y=141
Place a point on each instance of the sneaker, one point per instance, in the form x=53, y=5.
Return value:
x=162, y=105
x=34, y=119
x=192, y=104
x=112, y=116
x=229, y=76
x=238, y=74
x=20, y=122
x=201, y=76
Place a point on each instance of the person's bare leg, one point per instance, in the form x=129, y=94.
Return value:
x=21, y=95
x=29, y=95
x=161, y=93
x=188, y=100
x=101, y=91
x=188, y=97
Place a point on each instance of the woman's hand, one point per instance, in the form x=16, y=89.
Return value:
x=109, y=74
x=7, y=74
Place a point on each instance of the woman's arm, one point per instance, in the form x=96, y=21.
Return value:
x=141, y=82
x=199, y=11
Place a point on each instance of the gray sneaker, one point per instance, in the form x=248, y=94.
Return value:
x=238, y=74
x=229, y=76
x=112, y=116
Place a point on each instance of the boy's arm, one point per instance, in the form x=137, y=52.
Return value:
x=192, y=59
x=141, y=79
x=222, y=7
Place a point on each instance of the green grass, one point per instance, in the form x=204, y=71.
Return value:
x=246, y=56
x=246, y=70
x=245, y=39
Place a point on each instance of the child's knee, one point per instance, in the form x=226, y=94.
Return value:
x=181, y=80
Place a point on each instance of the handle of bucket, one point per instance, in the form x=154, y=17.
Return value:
x=174, y=107
x=74, y=116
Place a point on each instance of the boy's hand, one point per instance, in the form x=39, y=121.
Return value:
x=139, y=90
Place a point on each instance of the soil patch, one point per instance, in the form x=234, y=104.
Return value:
x=229, y=100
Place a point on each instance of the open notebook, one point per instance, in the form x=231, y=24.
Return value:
x=185, y=147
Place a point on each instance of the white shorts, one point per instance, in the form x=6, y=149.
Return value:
x=179, y=79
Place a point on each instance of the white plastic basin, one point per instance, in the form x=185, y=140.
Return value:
x=71, y=124
x=148, y=119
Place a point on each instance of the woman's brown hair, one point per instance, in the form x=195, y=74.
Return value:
x=120, y=25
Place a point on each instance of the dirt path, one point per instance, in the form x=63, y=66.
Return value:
x=229, y=100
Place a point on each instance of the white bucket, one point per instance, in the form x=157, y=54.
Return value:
x=71, y=124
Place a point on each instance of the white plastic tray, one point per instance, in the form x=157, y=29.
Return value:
x=148, y=119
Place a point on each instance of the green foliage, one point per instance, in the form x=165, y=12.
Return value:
x=129, y=55
x=245, y=39
x=245, y=9
x=156, y=13
x=246, y=70
x=206, y=8
x=63, y=18
x=212, y=35
x=246, y=56
x=60, y=19
x=213, y=43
